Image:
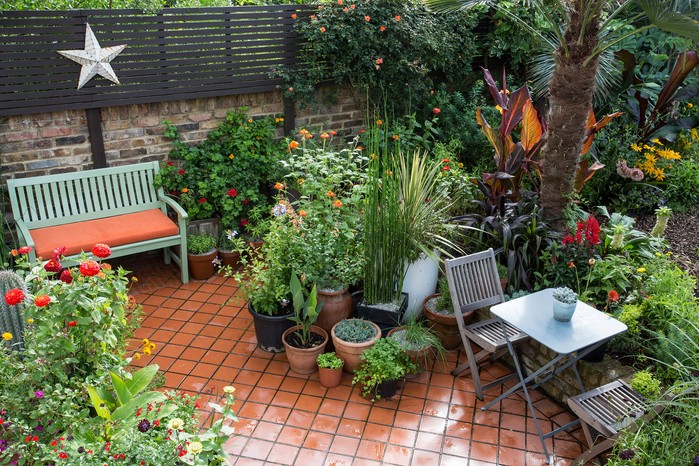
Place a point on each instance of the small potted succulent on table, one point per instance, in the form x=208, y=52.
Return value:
x=384, y=365
x=351, y=337
x=201, y=254
x=330, y=369
x=564, y=302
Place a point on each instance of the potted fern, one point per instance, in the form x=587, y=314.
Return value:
x=201, y=254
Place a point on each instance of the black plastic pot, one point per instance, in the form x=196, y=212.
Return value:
x=387, y=389
x=269, y=329
x=384, y=318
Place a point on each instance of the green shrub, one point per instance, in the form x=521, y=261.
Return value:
x=201, y=243
x=385, y=361
x=645, y=384
x=329, y=361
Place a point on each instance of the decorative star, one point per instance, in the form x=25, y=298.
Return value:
x=94, y=59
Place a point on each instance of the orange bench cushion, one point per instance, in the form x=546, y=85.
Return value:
x=112, y=231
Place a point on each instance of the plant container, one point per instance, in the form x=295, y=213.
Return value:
x=201, y=266
x=563, y=312
x=229, y=258
x=420, y=281
x=330, y=378
x=385, y=315
x=444, y=325
x=387, y=388
x=337, y=306
x=303, y=360
x=422, y=357
x=269, y=329
x=350, y=352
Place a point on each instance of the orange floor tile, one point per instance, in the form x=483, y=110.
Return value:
x=205, y=341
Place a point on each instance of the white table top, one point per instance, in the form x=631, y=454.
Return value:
x=533, y=314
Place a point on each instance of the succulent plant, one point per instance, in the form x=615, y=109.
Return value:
x=565, y=295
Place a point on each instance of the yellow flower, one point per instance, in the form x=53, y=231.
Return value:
x=30, y=321
x=137, y=356
x=229, y=389
x=657, y=254
x=232, y=156
x=460, y=165
x=656, y=141
x=690, y=105
x=498, y=108
x=641, y=270
x=145, y=341
x=134, y=279
x=7, y=336
x=146, y=351
x=151, y=346
x=300, y=181
x=195, y=448
x=669, y=154
x=250, y=120
x=695, y=134
x=636, y=148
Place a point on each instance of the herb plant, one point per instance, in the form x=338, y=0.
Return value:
x=201, y=243
x=329, y=361
x=383, y=362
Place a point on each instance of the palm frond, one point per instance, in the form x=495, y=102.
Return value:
x=454, y=5
x=668, y=16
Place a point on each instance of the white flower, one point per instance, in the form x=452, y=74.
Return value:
x=195, y=447
x=175, y=423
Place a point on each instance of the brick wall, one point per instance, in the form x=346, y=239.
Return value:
x=46, y=143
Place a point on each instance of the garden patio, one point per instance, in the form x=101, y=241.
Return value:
x=205, y=341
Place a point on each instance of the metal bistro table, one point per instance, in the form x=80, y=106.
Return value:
x=533, y=314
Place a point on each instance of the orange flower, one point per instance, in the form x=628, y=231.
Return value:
x=324, y=136
x=397, y=17
x=330, y=194
x=332, y=132
x=395, y=137
x=571, y=265
x=322, y=29
x=294, y=16
x=278, y=186
x=303, y=213
x=446, y=160
x=293, y=145
x=367, y=18
x=309, y=136
x=382, y=28
x=379, y=122
x=353, y=6
x=337, y=203
x=303, y=131
x=613, y=296
x=340, y=2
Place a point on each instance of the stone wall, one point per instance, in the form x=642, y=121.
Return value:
x=47, y=143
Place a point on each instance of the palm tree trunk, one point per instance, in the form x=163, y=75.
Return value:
x=570, y=99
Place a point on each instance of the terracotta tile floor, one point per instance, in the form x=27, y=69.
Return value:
x=205, y=341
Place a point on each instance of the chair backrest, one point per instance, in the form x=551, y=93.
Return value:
x=473, y=281
x=50, y=200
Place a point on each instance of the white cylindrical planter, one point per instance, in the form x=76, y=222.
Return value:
x=420, y=282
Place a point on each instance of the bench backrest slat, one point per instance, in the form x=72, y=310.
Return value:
x=50, y=200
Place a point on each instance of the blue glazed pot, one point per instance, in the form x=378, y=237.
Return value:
x=563, y=312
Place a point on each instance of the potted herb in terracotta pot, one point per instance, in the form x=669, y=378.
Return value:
x=330, y=369
x=230, y=247
x=201, y=254
x=305, y=341
x=384, y=366
x=439, y=310
x=420, y=342
x=351, y=337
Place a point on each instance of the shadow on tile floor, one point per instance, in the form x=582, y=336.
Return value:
x=205, y=341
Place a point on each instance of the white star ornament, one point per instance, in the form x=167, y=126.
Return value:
x=94, y=59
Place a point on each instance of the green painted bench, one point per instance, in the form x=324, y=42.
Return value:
x=118, y=206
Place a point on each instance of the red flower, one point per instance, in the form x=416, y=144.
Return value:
x=42, y=300
x=53, y=266
x=367, y=18
x=232, y=192
x=436, y=111
x=244, y=222
x=14, y=296
x=181, y=172
x=63, y=455
x=24, y=250
x=89, y=268
x=170, y=164
x=446, y=168
x=202, y=200
x=66, y=276
x=101, y=250
x=58, y=252
x=72, y=323
x=613, y=296
x=246, y=201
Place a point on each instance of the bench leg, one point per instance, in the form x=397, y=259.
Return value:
x=166, y=253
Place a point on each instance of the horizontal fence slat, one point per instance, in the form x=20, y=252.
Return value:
x=174, y=54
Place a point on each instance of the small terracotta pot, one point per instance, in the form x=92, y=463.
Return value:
x=229, y=258
x=201, y=266
x=350, y=351
x=330, y=378
x=303, y=360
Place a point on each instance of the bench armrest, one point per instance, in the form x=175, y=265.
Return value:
x=24, y=234
x=181, y=213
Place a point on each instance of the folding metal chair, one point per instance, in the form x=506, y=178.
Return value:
x=474, y=284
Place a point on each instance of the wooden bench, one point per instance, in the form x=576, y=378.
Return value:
x=118, y=206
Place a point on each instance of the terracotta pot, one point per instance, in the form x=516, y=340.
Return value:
x=337, y=305
x=350, y=351
x=269, y=329
x=503, y=283
x=303, y=360
x=421, y=357
x=229, y=258
x=444, y=325
x=201, y=266
x=330, y=378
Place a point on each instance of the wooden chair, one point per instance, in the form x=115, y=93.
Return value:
x=474, y=284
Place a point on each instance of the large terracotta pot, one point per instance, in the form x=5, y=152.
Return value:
x=444, y=325
x=269, y=329
x=350, y=351
x=303, y=360
x=422, y=357
x=229, y=258
x=201, y=266
x=337, y=305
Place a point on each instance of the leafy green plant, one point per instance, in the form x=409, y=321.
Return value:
x=444, y=304
x=231, y=241
x=355, y=330
x=329, y=361
x=384, y=361
x=413, y=335
x=201, y=243
x=305, y=309
x=645, y=384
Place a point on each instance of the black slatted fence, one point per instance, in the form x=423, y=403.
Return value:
x=172, y=55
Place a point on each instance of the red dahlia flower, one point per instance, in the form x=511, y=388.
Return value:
x=14, y=296
x=58, y=252
x=89, y=268
x=101, y=250
x=232, y=192
x=42, y=300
